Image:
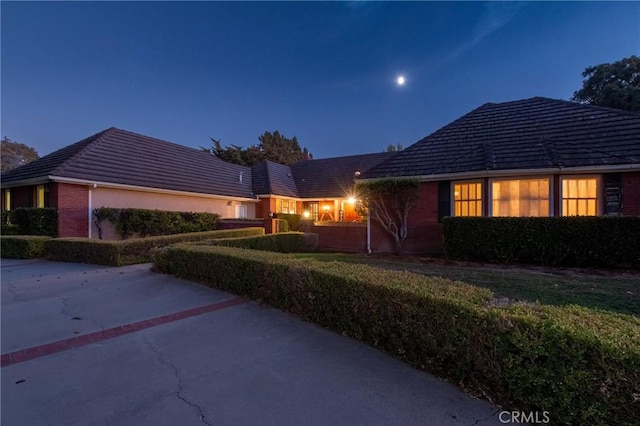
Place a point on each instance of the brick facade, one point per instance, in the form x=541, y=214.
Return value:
x=72, y=203
x=345, y=237
x=424, y=230
x=631, y=194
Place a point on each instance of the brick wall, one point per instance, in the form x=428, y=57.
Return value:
x=424, y=230
x=345, y=237
x=631, y=194
x=72, y=202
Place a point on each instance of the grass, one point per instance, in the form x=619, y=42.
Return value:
x=608, y=290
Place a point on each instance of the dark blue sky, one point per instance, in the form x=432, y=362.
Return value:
x=324, y=72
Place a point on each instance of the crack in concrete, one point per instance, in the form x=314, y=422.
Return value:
x=161, y=358
x=477, y=422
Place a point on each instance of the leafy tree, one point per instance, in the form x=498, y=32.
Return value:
x=15, y=154
x=388, y=202
x=615, y=85
x=393, y=148
x=273, y=146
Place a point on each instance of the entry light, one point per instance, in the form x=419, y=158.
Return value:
x=351, y=200
x=306, y=214
x=326, y=208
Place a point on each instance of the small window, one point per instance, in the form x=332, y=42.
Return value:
x=580, y=196
x=7, y=199
x=241, y=211
x=40, y=196
x=467, y=199
x=521, y=197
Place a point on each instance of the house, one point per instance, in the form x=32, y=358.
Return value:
x=532, y=157
x=117, y=168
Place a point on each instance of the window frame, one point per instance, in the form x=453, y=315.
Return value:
x=453, y=196
x=549, y=178
x=599, y=193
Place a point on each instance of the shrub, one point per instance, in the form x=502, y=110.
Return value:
x=580, y=365
x=35, y=221
x=10, y=230
x=289, y=242
x=23, y=247
x=293, y=221
x=132, y=251
x=4, y=217
x=562, y=241
x=143, y=222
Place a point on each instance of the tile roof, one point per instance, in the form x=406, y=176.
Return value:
x=273, y=178
x=333, y=177
x=122, y=157
x=533, y=133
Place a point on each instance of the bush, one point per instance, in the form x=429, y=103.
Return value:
x=562, y=241
x=35, y=221
x=580, y=365
x=143, y=222
x=293, y=221
x=132, y=251
x=289, y=242
x=4, y=217
x=10, y=230
x=23, y=247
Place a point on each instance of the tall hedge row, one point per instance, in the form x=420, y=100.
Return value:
x=561, y=241
x=580, y=365
x=144, y=222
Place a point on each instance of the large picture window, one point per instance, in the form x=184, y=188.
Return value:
x=580, y=196
x=521, y=197
x=467, y=199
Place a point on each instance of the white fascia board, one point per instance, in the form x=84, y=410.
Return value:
x=26, y=182
x=145, y=189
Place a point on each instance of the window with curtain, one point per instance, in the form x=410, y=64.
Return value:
x=580, y=196
x=520, y=197
x=467, y=199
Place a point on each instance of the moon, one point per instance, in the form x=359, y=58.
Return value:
x=400, y=81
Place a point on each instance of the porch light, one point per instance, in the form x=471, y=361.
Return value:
x=325, y=208
x=306, y=214
x=351, y=200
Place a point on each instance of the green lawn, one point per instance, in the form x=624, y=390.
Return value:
x=612, y=291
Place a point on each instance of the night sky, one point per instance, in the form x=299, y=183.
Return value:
x=324, y=72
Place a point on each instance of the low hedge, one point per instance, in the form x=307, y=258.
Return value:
x=23, y=246
x=10, y=230
x=132, y=251
x=580, y=365
x=561, y=241
x=287, y=242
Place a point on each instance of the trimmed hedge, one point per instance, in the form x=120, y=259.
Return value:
x=35, y=221
x=132, y=251
x=293, y=221
x=10, y=230
x=23, y=246
x=580, y=365
x=288, y=242
x=561, y=241
x=144, y=222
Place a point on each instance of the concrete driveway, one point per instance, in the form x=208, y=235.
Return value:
x=89, y=345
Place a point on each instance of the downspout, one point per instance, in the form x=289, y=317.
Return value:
x=368, y=234
x=90, y=209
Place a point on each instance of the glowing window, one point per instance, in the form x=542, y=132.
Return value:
x=521, y=197
x=7, y=199
x=40, y=196
x=467, y=199
x=580, y=196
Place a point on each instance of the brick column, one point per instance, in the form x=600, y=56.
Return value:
x=72, y=203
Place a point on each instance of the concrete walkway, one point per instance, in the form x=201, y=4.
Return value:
x=89, y=345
